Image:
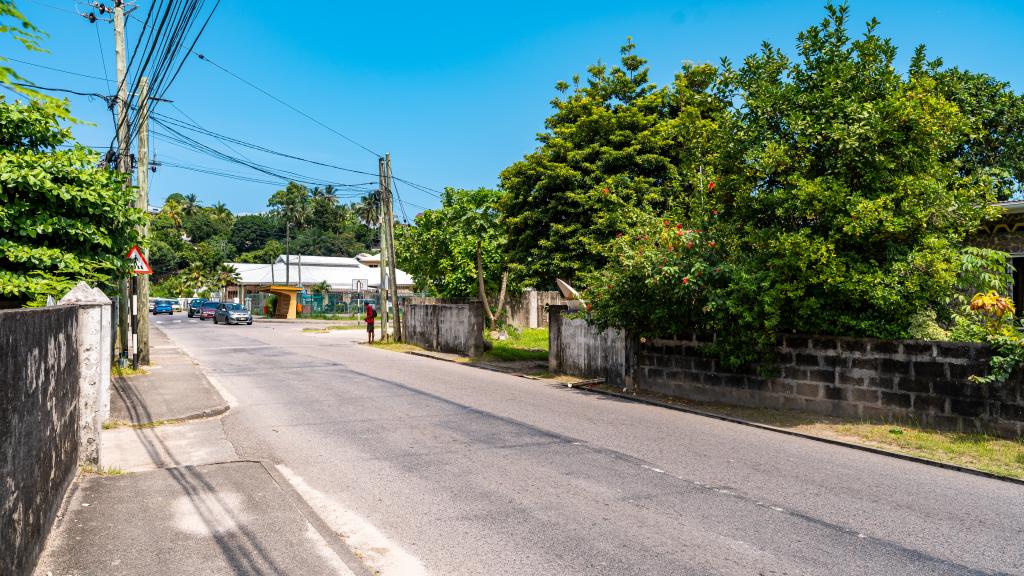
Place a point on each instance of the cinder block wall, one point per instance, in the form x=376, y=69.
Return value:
x=444, y=327
x=849, y=377
x=39, y=427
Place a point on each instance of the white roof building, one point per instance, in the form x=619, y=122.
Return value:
x=342, y=274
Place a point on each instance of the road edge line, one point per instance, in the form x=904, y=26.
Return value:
x=862, y=448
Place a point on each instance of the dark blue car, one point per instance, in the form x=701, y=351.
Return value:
x=163, y=307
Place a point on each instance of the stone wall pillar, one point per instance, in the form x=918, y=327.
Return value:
x=93, y=339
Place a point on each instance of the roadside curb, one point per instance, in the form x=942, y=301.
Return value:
x=587, y=387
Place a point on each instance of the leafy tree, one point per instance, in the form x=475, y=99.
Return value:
x=994, y=145
x=204, y=223
x=62, y=220
x=836, y=185
x=615, y=148
x=458, y=249
x=268, y=253
x=252, y=231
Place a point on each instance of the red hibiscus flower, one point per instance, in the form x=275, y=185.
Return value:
x=711, y=185
x=686, y=279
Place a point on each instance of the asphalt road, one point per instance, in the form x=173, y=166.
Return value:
x=465, y=471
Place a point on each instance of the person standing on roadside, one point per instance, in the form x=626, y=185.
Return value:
x=371, y=315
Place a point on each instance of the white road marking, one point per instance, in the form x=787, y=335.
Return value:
x=380, y=554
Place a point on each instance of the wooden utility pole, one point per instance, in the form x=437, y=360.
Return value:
x=142, y=203
x=382, y=262
x=392, y=271
x=124, y=159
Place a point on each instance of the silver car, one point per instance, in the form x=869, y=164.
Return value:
x=230, y=313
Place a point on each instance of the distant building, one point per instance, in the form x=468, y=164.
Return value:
x=344, y=275
x=1006, y=233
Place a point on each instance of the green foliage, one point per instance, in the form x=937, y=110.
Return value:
x=838, y=191
x=1009, y=356
x=439, y=250
x=62, y=220
x=615, y=148
x=665, y=278
x=839, y=194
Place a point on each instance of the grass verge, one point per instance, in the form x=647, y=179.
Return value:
x=528, y=344
x=327, y=329
x=397, y=346
x=979, y=451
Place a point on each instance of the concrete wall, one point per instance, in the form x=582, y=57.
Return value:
x=849, y=377
x=578, y=349
x=443, y=326
x=529, y=310
x=39, y=427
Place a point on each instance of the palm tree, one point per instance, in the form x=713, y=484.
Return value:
x=368, y=209
x=220, y=210
x=191, y=203
x=196, y=278
x=173, y=210
x=323, y=289
x=227, y=275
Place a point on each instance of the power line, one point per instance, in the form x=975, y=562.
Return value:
x=51, y=68
x=207, y=59
x=103, y=57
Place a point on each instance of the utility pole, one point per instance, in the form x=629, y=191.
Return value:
x=287, y=252
x=382, y=292
x=389, y=205
x=142, y=202
x=124, y=160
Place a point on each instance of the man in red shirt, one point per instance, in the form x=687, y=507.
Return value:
x=371, y=315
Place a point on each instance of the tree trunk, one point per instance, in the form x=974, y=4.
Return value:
x=501, y=296
x=483, y=290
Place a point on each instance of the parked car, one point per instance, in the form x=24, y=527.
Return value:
x=208, y=309
x=230, y=313
x=194, y=305
x=176, y=304
x=163, y=307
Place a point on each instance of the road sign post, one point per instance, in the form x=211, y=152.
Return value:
x=140, y=266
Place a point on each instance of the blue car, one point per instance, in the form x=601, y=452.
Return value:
x=163, y=307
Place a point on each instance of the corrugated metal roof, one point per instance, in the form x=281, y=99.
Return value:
x=340, y=277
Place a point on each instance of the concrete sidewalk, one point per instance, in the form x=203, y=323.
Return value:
x=177, y=499
x=174, y=389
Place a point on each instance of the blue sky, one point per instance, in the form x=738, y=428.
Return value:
x=455, y=92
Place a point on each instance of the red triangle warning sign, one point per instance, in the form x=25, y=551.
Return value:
x=139, y=261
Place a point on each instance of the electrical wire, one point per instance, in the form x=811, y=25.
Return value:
x=51, y=68
x=268, y=94
x=103, y=57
